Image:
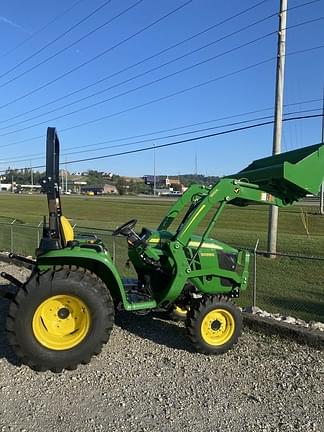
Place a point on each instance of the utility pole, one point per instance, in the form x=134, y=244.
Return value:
x=31, y=175
x=277, y=129
x=322, y=185
x=66, y=178
x=154, y=173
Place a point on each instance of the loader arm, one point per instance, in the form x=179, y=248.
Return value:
x=192, y=194
x=278, y=180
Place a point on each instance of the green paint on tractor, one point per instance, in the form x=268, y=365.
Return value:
x=177, y=270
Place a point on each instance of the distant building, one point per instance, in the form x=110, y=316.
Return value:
x=6, y=187
x=149, y=179
x=77, y=186
x=99, y=190
x=171, y=181
x=110, y=189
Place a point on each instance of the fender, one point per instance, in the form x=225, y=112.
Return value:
x=99, y=263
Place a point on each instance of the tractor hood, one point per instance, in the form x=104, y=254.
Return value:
x=210, y=243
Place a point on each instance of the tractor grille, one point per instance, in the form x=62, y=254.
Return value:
x=227, y=261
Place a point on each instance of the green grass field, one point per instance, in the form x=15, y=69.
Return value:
x=289, y=285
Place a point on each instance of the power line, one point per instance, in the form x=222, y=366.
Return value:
x=172, y=129
x=145, y=73
x=174, y=143
x=192, y=87
x=60, y=15
x=165, y=130
x=54, y=40
x=98, y=55
x=191, y=139
x=129, y=79
x=28, y=157
x=165, y=96
x=290, y=8
x=162, y=52
x=159, y=99
x=71, y=44
x=131, y=90
x=56, y=18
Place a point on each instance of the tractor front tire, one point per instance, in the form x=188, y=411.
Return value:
x=60, y=318
x=214, y=324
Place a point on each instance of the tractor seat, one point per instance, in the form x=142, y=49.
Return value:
x=67, y=231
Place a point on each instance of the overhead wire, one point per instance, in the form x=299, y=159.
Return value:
x=191, y=139
x=48, y=44
x=165, y=50
x=28, y=157
x=174, y=143
x=169, y=95
x=165, y=96
x=31, y=156
x=29, y=139
x=102, y=53
x=185, y=69
x=83, y=37
x=145, y=73
x=174, y=128
x=159, y=99
x=37, y=32
x=52, y=56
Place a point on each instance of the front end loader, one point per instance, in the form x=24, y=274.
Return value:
x=64, y=313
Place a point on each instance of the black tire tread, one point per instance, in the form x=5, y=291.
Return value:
x=57, y=273
x=194, y=314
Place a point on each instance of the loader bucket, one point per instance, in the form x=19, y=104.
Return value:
x=288, y=176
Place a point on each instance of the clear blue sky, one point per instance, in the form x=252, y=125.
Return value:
x=250, y=90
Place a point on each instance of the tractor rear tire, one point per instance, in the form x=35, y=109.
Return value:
x=214, y=324
x=60, y=318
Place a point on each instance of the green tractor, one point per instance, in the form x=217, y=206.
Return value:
x=64, y=313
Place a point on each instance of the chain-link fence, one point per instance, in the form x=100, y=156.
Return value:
x=288, y=284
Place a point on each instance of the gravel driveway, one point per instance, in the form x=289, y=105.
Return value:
x=148, y=379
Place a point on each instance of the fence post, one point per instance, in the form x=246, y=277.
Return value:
x=11, y=235
x=255, y=272
x=38, y=236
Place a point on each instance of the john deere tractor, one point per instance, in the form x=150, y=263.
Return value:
x=64, y=313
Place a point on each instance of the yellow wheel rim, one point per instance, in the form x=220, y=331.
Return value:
x=61, y=322
x=217, y=327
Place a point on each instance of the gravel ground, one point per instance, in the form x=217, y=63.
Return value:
x=148, y=379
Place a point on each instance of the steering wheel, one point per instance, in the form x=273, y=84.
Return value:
x=126, y=228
